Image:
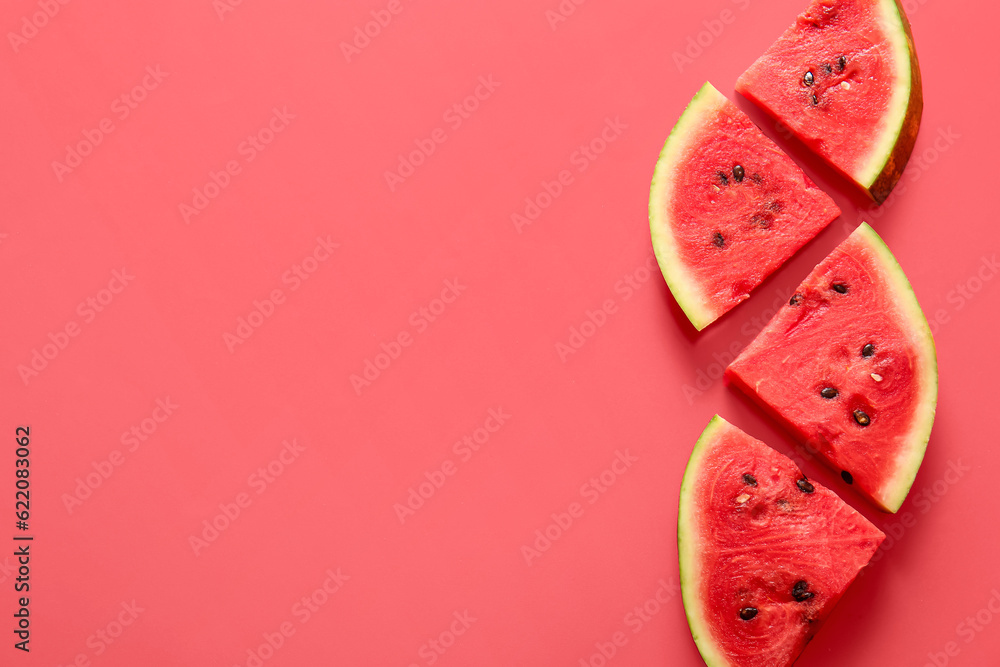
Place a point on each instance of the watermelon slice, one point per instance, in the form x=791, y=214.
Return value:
x=844, y=79
x=849, y=366
x=765, y=554
x=727, y=207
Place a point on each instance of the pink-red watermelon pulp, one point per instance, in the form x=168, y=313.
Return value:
x=765, y=553
x=727, y=207
x=849, y=367
x=844, y=78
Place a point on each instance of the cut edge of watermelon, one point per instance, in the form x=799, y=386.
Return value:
x=890, y=156
x=895, y=490
x=682, y=285
x=687, y=548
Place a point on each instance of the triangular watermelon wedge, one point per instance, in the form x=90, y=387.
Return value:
x=844, y=78
x=765, y=554
x=727, y=207
x=849, y=367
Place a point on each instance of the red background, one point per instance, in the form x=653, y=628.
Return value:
x=127, y=536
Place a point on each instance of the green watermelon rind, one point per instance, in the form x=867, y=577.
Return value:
x=905, y=107
x=895, y=490
x=687, y=548
x=682, y=284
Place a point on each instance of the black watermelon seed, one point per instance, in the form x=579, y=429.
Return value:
x=723, y=178
x=800, y=591
x=747, y=613
x=809, y=79
x=841, y=63
x=840, y=288
x=738, y=173
x=815, y=100
x=718, y=240
x=848, y=477
x=805, y=486
x=868, y=350
x=795, y=300
x=829, y=392
x=827, y=68
x=862, y=418
x=749, y=479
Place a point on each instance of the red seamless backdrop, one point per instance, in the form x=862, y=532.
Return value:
x=338, y=337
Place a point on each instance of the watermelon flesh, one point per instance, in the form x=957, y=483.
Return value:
x=727, y=207
x=765, y=554
x=849, y=367
x=844, y=78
